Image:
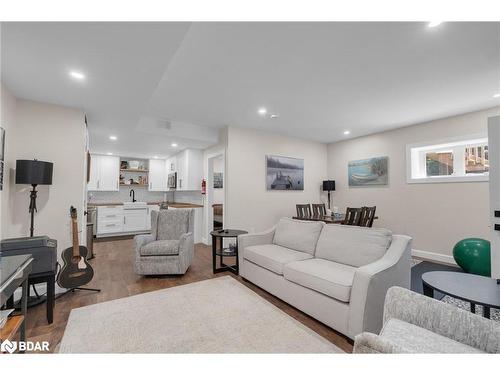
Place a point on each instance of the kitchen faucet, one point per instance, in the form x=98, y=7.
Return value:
x=132, y=194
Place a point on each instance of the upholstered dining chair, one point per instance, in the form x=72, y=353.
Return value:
x=352, y=216
x=169, y=249
x=303, y=210
x=367, y=216
x=319, y=209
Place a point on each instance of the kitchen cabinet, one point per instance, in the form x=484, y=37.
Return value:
x=189, y=164
x=157, y=175
x=135, y=219
x=104, y=173
x=109, y=220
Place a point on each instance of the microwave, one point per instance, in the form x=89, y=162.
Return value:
x=172, y=180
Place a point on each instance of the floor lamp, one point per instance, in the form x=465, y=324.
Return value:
x=329, y=185
x=34, y=173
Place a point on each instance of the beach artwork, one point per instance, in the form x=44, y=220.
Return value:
x=366, y=172
x=284, y=173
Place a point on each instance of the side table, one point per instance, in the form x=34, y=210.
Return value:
x=225, y=252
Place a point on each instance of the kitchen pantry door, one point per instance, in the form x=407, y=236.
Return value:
x=494, y=157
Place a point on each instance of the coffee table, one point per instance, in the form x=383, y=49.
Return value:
x=475, y=289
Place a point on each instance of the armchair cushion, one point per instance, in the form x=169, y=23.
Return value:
x=163, y=247
x=353, y=246
x=297, y=234
x=330, y=278
x=172, y=224
x=273, y=257
x=411, y=338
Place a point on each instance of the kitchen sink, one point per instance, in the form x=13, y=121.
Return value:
x=127, y=205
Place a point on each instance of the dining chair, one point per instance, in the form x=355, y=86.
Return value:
x=319, y=209
x=303, y=210
x=367, y=216
x=352, y=216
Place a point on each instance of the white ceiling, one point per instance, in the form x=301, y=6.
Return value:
x=320, y=78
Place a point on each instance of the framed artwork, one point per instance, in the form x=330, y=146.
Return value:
x=284, y=173
x=366, y=172
x=218, y=178
x=2, y=156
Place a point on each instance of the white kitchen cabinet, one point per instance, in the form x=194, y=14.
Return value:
x=157, y=175
x=189, y=165
x=104, y=173
x=171, y=165
x=109, y=220
x=135, y=219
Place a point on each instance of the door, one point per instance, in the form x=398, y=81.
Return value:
x=494, y=159
x=109, y=173
x=157, y=175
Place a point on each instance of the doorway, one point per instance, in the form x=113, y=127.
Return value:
x=215, y=201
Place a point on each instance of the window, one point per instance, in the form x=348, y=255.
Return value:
x=453, y=160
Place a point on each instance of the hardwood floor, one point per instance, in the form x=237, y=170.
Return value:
x=114, y=275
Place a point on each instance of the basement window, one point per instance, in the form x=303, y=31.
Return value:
x=452, y=160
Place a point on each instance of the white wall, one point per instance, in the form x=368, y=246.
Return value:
x=249, y=205
x=7, y=121
x=436, y=215
x=49, y=133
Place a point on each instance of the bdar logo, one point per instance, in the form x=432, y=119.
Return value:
x=8, y=346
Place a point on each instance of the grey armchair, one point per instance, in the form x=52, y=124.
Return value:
x=169, y=249
x=414, y=323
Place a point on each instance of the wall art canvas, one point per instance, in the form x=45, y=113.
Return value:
x=218, y=177
x=284, y=173
x=2, y=156
x=366, y=172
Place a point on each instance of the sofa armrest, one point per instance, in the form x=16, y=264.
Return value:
x=442, y=318
x=186, y=250
x=253, y=239
x=370, y=343
x=141, y=240
x=371, y=283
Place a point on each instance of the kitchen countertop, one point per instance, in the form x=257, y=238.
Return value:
x=171, y=204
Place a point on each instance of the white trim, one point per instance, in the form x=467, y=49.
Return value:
x=428, y=255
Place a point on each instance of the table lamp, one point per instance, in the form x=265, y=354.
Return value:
x=329, y=185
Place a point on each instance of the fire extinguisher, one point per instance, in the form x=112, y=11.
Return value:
x=203, y=187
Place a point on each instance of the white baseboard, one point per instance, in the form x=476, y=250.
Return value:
x=428, y=255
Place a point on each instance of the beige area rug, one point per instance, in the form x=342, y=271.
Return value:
x=214, y=316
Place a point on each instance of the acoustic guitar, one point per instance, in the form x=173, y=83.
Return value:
x=76, y=270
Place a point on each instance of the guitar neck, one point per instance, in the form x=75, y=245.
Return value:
x=76, y=243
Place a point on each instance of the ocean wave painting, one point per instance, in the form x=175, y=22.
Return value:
x=365, y=172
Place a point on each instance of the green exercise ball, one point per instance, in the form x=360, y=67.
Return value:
x=473, y=255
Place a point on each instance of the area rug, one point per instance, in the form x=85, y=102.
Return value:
x=214, y=316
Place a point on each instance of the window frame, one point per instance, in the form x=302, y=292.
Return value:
x=450, y=143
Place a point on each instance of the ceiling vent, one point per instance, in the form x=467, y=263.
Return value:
x=164, y=124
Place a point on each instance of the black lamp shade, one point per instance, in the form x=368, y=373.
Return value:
x=329, y=185
x=34, y=172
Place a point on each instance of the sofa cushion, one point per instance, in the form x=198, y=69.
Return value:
x=351, y=245
x=273, y=257
x=330, y=278
x=298, y=235
x=415, y=339
x=163, y=247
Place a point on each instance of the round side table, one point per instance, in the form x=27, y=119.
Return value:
x=225, y=252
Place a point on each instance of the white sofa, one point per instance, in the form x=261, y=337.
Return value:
x=337, y=274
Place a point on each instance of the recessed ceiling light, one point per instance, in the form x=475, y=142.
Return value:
x=77, y=75
x=497, y=95
x=347, y=132
x=434, y=23
x=262, y=111
x=273, y=116
x=174, y=145
x=113, y=137
x=156, y=157
x=110, y=153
